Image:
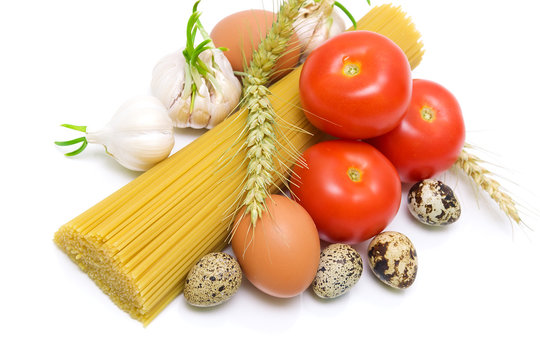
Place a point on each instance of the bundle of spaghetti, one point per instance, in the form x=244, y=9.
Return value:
x=139, y=243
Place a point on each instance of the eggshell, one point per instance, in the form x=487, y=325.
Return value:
x=433, y=203
x=214, y=279
x=393, y=259
x=340, y=268
x=281, y=255
x=242, y=32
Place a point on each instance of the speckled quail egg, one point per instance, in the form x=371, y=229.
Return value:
x=393, y=259
x=340, y=267
x=433, y=203
x=214, y=279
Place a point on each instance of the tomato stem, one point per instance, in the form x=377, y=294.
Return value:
x=354, y=174
x=351, y=69
x=428, y=114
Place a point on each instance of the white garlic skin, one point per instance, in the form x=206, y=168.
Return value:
x=211, y=105
x=139, y=135
x=433, y=203
x=317, y=21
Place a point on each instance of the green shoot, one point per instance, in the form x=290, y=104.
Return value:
x=347, y=12
x=196, y=69
x=75, y=127
x=82, y=140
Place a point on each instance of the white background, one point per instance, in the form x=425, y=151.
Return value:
x=477, y=290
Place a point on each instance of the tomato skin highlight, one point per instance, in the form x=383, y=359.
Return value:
x=356, y=85
x=430, y=137
x=349, y=188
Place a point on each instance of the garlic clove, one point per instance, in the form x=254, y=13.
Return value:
x=211, y=104
x=224, y=105
x=330, y=27
x=139, y=135
x=200, y=115
x=141, y=151
x=141, y=113
x=179, y=112
x=317, y=22
x=336, y=24
x=168, y=78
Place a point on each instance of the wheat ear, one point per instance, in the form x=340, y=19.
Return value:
x=472, y=166
x=260, y=123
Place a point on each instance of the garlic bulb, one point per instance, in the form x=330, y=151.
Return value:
x=213, y=100
x=317, y=21
x=197, y=85
x=138, y=136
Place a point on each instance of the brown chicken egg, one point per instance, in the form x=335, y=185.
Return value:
x=242, y=32
x=281, y=255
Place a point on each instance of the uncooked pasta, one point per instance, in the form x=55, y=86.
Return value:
x=139, y=243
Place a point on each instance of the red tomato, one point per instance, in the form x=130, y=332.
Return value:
x=430, y=136
x=356, y=85
x=349, y=188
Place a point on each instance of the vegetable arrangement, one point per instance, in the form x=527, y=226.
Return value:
x=356, y=86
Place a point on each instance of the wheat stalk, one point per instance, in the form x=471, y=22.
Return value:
x=260, y=123
x=473, y=167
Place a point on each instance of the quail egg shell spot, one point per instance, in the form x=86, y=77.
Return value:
x=212, y=280
x=393, y=259
x=433, y=203
x=340, y=268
